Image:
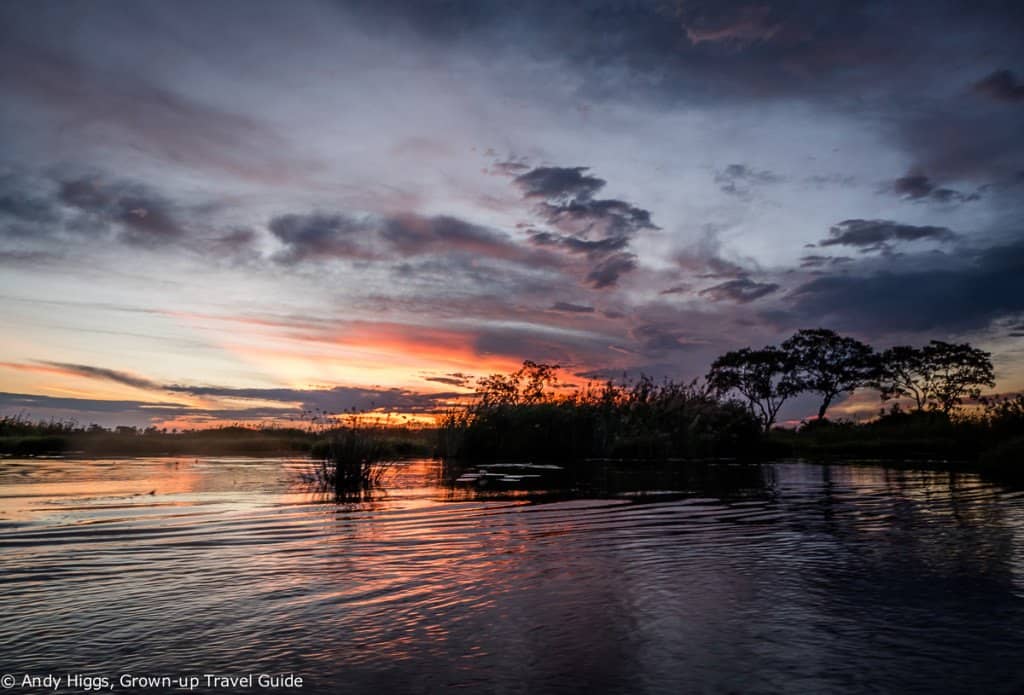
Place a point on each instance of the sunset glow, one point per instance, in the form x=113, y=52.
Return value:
x=201, y=229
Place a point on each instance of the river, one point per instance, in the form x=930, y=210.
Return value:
x=787, y=577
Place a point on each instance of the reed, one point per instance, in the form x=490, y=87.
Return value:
x=353, y=454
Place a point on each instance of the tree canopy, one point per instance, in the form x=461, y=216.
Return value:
x=939, y=375
x=528, y=385
x=766, y=378
x=829, y=364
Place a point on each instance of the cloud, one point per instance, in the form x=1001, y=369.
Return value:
x=655, y=339
x=877, y=234
x=318, y=236
x=33, y=208
x=612, y=221
x=741, y=290
x=815, y=261
x=595, y=249
x=920, y=187
x=23, y=201
x=738, y=179
x=333, y=400
x=600, y=229
x=1001, y=85
x=323, y=236
x=142, y=216
x=336, y=399
x=979, y=288
x=106, y=374
x=608, y=271
x=509, y=168
x=444, y=234
x=748, y=25
x=569, y=308
x=452, y=379
x=559, y=183
x=704, y=258
x=113, y=106
x=30, y=402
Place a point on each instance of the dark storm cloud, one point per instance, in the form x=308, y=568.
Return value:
x=984, y=286
x=1001, y=85
x=887, y=62
x=599, y=228
x=920, y=187
x=877, y=234
x=741, y=290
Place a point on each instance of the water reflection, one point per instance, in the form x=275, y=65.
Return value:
x=714, y=578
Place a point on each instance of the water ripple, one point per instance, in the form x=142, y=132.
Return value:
x=787, y=577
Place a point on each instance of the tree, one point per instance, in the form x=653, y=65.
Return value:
x=939, y=375
x=766, y=378
x=902, y=373
x=528, y=385
x=960, y=371
x=830, y=364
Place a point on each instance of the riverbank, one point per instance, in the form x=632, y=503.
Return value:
x=21, y=438
x=561, y=434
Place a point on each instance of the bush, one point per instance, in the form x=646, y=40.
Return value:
x=644, y=420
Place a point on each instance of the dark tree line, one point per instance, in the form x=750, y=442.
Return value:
x=937, y=376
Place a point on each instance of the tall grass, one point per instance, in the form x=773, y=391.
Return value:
x=350, y=460
x=355, y=451
x=637, y=420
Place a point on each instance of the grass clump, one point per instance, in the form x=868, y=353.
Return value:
x=354, y=452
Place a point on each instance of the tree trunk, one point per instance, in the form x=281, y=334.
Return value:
x=824, y=407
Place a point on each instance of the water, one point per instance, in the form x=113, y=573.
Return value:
x=781, y=578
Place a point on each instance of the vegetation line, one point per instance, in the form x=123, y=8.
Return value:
x=528, y=415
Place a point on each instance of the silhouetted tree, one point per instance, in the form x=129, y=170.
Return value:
x=830, y=364
x=766, y=378
x=528, y=385
x=903, y=373
x=960, y=372
x=939, y=374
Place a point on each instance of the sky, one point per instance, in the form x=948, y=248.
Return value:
x=242, y=211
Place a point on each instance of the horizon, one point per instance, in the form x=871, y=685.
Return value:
x=243, y=211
